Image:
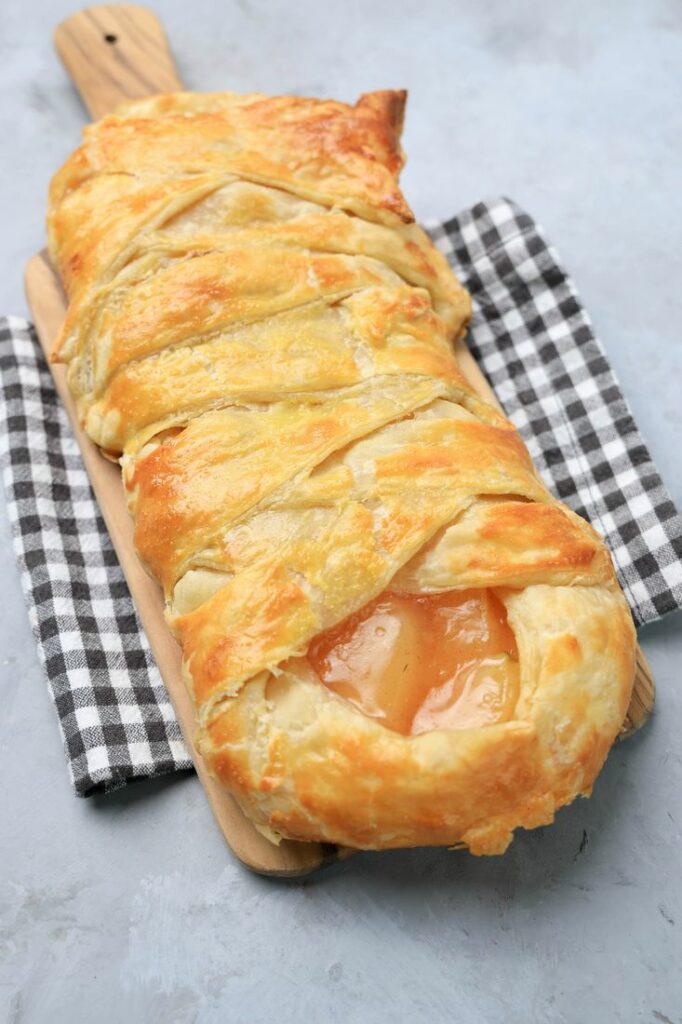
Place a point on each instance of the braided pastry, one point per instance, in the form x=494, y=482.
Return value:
x=392, y=633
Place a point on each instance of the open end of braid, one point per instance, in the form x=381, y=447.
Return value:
x=421, y=662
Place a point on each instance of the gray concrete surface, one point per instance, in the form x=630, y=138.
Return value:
x=129, y=907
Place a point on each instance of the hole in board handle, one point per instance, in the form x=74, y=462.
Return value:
x=110, y=38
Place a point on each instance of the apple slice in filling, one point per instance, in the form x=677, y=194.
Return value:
x=422, y=662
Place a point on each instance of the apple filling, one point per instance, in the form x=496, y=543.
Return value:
x=422, y=662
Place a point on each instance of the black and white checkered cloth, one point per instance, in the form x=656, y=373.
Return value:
x=534, y=341
x=116, y=719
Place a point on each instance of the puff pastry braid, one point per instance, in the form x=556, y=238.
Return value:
x=261, y=333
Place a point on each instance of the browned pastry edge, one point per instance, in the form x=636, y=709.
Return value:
x=200, y=239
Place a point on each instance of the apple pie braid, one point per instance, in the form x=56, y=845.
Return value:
x=393, y=634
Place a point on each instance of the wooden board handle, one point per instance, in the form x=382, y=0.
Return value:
x=116, y=52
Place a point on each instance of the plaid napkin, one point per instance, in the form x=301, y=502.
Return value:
x=534, y=341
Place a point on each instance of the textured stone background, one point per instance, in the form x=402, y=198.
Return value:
x=129, y=907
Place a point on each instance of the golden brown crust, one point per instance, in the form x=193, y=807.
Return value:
x=262, y=333
x=308, y=763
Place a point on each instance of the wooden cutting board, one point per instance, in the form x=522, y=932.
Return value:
x=118, y=52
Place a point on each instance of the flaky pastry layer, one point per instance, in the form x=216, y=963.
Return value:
x=263, y=336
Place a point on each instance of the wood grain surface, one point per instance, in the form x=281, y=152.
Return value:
x=113, y=53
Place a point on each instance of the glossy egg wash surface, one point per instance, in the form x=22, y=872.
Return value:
x=422, y=662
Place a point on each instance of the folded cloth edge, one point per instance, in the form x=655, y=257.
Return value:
x=536, y=344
